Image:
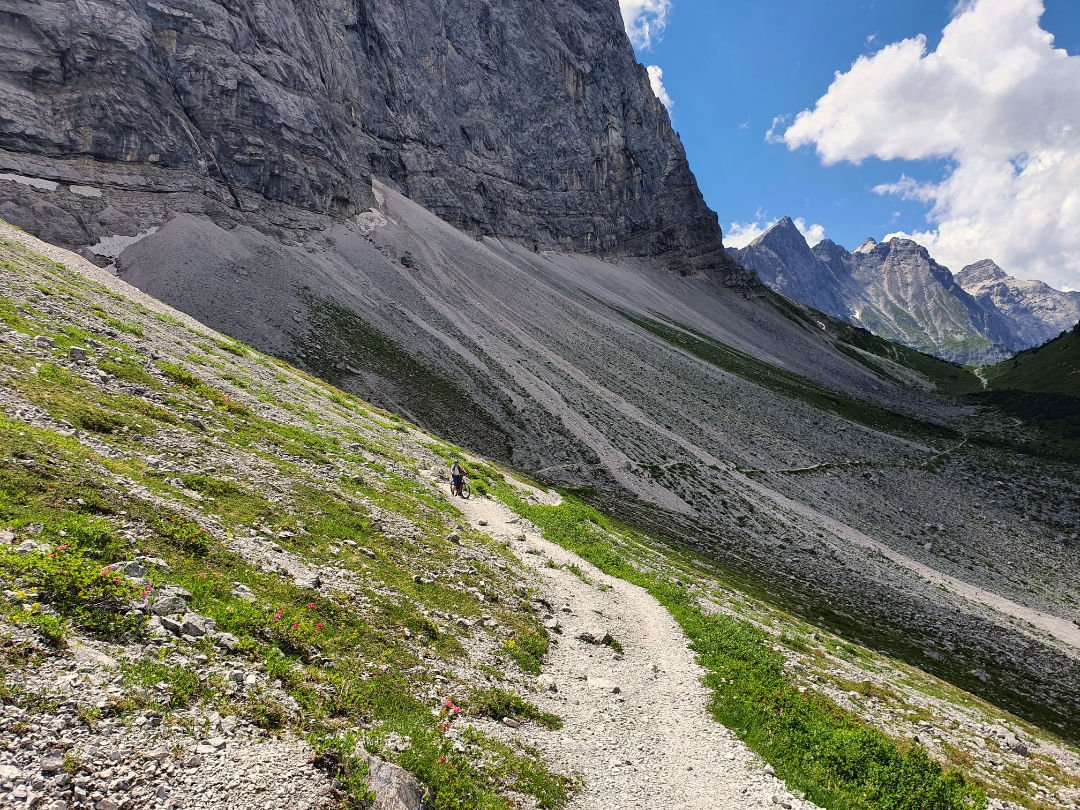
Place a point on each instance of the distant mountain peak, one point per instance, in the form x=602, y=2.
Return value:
x=981, y=272
x=866, y=246
x=783, y=231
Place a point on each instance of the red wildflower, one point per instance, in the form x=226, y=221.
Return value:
x=310, y=605
x=318, y=626
x=296, y=626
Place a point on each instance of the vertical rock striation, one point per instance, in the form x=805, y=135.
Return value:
x=895, y=289
x=519, y=119
x=1036, y=311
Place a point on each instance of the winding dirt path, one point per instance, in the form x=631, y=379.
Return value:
x=636, y=725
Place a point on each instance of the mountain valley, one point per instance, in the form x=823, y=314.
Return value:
x=270, y=269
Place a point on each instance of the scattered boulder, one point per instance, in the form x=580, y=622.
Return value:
x=52, y=762
x=198, y=626
x=169, y=600
x=309, y=582
x=1010, y=740
x=31, y=547
x=596, y=635
x=394, y=787
x=242, y=591
x=547, y=683
x=173, y=625
x=130, y=568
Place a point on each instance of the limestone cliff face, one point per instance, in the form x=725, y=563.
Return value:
x=505, y=117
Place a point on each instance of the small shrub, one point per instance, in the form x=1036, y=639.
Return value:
x=500, y=703
x=53, y=629
x=528, y=649
x=268, y=714
x=76, y=587
x=125, y=326
x=128, y=370
x=208, y=485
x=337, y=757
x=178, y=374
x=96, y=420
x=184, y=535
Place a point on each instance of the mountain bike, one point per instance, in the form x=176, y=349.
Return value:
x=466, y=491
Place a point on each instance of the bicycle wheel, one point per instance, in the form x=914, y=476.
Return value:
x=466, y=492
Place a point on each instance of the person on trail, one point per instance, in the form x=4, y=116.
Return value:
x=457, y=475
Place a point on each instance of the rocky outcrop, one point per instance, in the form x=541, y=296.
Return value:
x=531, y=121
x=1035, y=311
x=895, y=290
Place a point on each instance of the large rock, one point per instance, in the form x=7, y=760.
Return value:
x=168, y=600
x=394, y=787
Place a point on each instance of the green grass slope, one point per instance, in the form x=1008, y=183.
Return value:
x=1053, y=368
x=244, y=480
x=865, y=347
x=1041, y=387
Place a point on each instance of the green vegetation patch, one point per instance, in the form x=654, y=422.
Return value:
x=1052, y=368
x=788, y=383
x=949, y=378
x=500, y=703
x=180, y=375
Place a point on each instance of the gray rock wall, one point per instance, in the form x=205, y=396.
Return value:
x=513, y=118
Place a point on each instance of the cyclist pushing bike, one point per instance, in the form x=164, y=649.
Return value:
x=457, y=478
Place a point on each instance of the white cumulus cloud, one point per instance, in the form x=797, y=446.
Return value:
x=645, y=20
x=1001, y=105
x=656, y=79
x=741, y=234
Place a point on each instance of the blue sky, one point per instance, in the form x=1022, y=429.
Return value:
x=731, y=68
